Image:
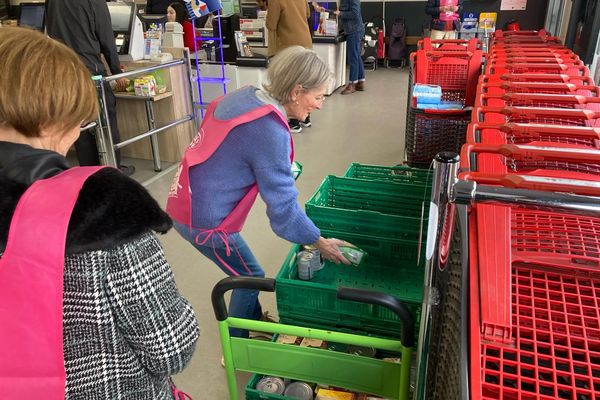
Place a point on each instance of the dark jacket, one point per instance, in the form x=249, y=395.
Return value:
x=350, y=16
x=126, y=328
x=158, y=6
x=84, y=26
x=433, y=8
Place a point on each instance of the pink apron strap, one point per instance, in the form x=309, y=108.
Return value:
x=31, y=294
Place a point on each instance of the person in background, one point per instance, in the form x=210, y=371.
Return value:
x=247, y=149
x=85, y=27
x=157, y=6
x=352, y=25
x=444, y=18
x=126, y=327
x=287, y=22
x=176, y=12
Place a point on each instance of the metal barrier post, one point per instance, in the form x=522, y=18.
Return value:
x=104, y=142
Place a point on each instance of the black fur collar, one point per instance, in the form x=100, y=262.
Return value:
x=111, y=210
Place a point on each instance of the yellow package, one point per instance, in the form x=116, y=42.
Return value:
x=329, y=394
x=145, y=86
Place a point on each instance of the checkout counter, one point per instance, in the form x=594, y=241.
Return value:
x=156, y=127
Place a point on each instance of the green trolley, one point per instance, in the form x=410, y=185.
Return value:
x=378, y=377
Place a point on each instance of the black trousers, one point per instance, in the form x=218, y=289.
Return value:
x=85, y=146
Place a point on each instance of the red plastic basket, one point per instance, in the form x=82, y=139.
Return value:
x=528, y=133
x=456, y=73
x=555, y=353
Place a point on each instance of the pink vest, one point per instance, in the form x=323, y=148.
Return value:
x=31, y=289
x=448, y=16
x=212, y=133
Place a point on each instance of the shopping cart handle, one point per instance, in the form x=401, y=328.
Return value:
x=528, y=152
x=382, y=299
x=537, y=76
x=552, y=59
x=535, y=182
x=514, y=65
x=448, y=53
x=533, y=130
x=535, y=111
x=236, y=282
x=546, y=97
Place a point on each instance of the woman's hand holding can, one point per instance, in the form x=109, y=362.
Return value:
x=330, y=251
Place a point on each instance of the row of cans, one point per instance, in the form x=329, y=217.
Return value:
x=309, y=261
x=296, y=390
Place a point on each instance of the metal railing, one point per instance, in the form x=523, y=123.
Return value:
x=104, y=141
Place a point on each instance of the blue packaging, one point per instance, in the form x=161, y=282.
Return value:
x=427, y=94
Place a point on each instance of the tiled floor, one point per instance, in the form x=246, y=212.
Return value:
x=365, y=127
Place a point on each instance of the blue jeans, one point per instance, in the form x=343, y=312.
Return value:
x=357, y=69
x=244, y=302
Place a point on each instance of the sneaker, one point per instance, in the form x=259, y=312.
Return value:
x=360, y=86
x=306, y=123
x=127, y=170
x=349, y=89
x=295, y=126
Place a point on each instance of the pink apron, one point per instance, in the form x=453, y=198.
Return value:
x=212, y=133
x=31, y=289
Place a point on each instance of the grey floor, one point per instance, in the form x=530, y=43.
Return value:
x=365, y=127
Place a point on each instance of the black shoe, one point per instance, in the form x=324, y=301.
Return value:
x=295, y=126
x=127, y=170
x=306, y=123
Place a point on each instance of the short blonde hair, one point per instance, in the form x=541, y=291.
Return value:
x=43, y=84
x=293, y=66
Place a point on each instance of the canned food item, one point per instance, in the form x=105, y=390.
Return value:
x=299, y=390
x=271, y=384
x=304, y=262
x=362, y=351
x=355, y=255
x=318, y=262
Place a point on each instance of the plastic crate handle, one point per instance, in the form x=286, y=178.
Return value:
x=535, y=77
x=526, y=152
x=535, y=182
x=382, y=299
x=535, y=111
x=535, y=130
x=236, y=282
x=566, y=98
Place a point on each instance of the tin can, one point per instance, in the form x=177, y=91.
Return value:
x=271, y=384
x=318, y=262
x=304, y=262
x=362, y=351
x=299, y=390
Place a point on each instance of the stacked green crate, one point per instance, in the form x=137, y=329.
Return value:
x=382, y=210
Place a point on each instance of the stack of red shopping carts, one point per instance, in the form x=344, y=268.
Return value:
x=535, y=275
x=454, y=65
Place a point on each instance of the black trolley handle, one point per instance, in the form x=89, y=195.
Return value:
x=382, y=299
x=343, y=293
x=236, y=282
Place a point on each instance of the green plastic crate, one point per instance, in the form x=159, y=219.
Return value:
x=377, y=209
x=315, y=301
x=395, y=174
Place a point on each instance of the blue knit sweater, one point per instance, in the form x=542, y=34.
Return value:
x=255, y=152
